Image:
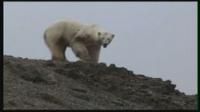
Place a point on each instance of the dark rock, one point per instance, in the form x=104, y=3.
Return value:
x=112, y=66
x=40, y=84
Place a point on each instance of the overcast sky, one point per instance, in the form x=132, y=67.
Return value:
x=157, y=39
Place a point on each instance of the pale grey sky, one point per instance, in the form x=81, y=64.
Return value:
x=157, y=39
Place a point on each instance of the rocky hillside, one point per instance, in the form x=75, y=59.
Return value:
x=40, y=84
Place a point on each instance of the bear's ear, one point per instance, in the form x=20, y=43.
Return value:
x=99, y=33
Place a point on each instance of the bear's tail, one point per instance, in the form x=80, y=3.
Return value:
x=45, y=38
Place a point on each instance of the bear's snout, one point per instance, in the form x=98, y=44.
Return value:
x=105, y=45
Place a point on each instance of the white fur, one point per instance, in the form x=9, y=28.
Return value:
x=85, y=40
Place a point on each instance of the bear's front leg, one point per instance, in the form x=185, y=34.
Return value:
x=94, y=52
x=81, y=51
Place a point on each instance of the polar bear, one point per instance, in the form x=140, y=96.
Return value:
x=84, y=40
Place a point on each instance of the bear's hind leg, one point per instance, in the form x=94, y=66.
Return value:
x=59, y=50
x=58, y=53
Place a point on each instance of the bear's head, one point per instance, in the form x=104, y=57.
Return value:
x=94, y=34
x=105, y=38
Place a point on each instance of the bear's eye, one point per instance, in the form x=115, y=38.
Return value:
x=99, y=33
x=113, y=35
